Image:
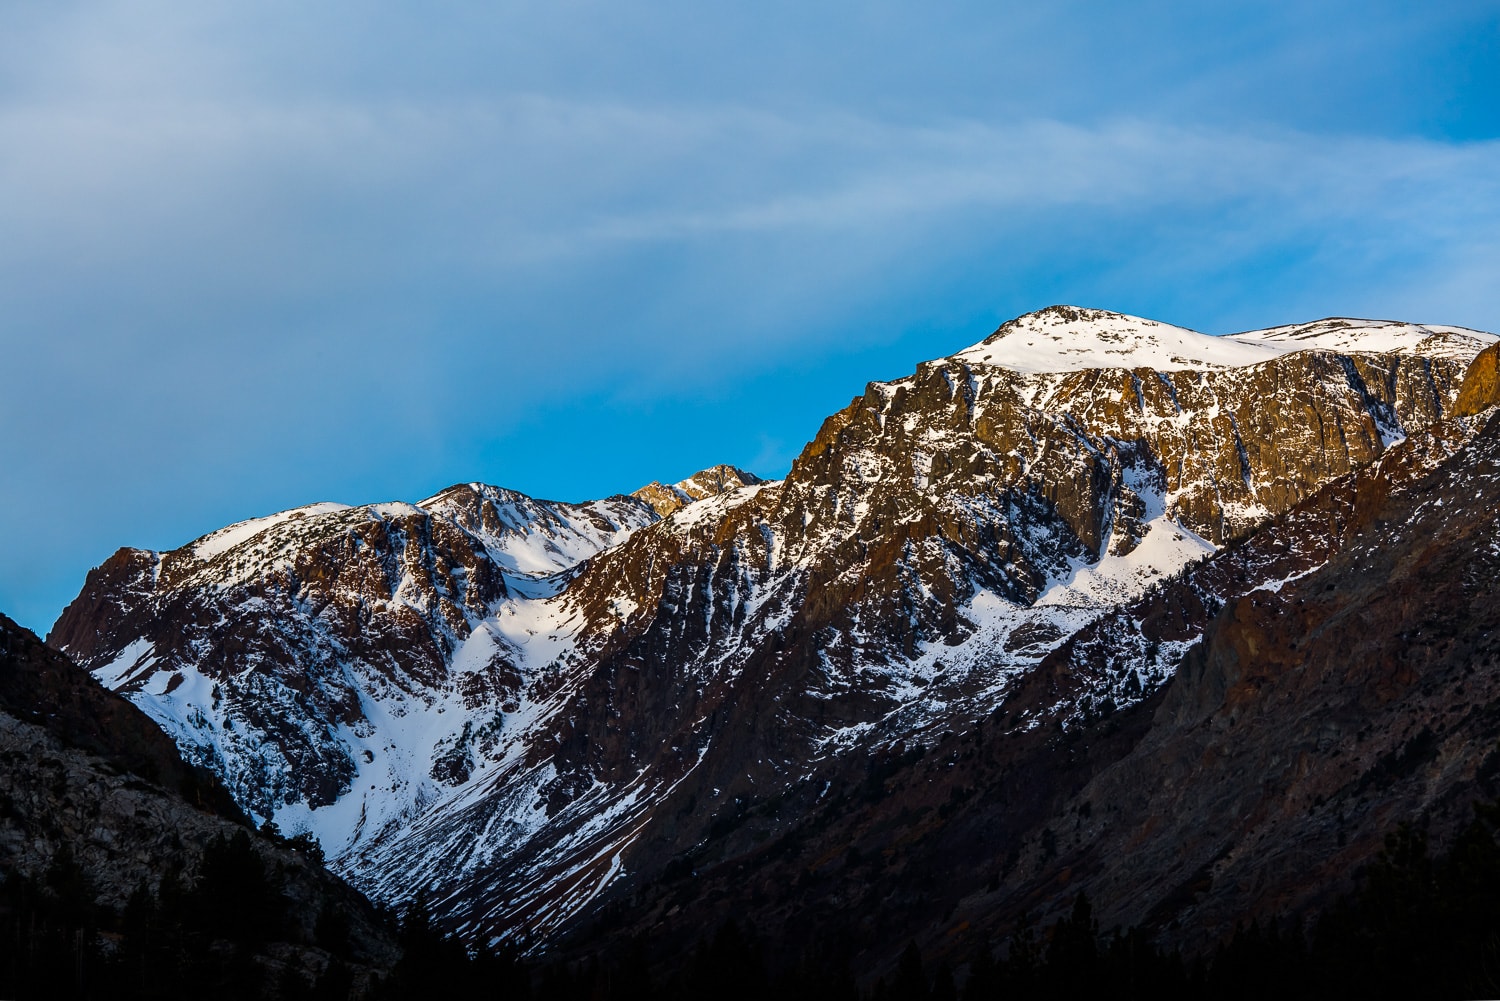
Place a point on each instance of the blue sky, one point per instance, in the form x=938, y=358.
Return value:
x=255, y=255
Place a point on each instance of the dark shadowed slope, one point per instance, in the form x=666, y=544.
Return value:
x=125, y=872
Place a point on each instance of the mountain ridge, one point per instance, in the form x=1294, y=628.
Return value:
x=532, y=746
x=1073, y=338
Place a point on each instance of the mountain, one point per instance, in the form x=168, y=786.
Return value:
x=100, y=819
x=48, y=692
x=328, y=633
x=552, y=716
x=1341, y=675
x=339, y=666
x=667, y=499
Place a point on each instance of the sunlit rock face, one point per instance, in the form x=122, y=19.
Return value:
x=534, y=709
x=1333, y=674
x=1481, y=385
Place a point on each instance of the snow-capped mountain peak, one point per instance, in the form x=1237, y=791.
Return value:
x=219, y=542
x=665, y=499
x=1347, y=334
x=527, y=707
x=1073, y=339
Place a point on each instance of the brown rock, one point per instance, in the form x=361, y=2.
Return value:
x=1481, y=385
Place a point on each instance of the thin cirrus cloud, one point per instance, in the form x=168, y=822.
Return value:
x=252, y=262
x=416, y=189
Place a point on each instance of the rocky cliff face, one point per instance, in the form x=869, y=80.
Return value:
x=1333, y=674
x=536, y=710
x=1481, y=385
x=667, y=499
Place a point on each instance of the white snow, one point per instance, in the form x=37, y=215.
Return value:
x=1346, y=336
x=134, y=661
x=1275, y=586
x=1114, y=580
x=1047, y=342
x=219, y=542
x=1082, y=339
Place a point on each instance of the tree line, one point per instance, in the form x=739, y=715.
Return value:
x=1417, y=924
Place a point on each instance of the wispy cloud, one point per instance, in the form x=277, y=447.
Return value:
x=228, y=240
x=486, y=185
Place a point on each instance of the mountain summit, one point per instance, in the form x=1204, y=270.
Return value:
x=666, y=500
x=1073, y=339
x=542, y=712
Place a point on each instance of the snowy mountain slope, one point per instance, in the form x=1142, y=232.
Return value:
x=1069, y=339
x=319, y=654
x=1341, y=334
x=531, y=709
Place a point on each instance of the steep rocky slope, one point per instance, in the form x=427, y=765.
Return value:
x=341, y=666
x=47, y=691
x=1337, y=673
x=537, y=737
x=90, y=782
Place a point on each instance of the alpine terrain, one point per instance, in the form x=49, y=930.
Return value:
x=1095, y=604
x=129, y=873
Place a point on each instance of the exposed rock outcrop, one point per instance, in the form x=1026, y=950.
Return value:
x=669, y=499
x=1481, y=386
